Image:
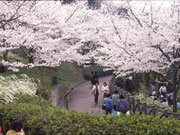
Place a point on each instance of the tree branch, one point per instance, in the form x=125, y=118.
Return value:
x=161, y=50
x=134, y=14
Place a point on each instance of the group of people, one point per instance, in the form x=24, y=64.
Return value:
x=112, y=102
x=162, y=96
x=115, y=102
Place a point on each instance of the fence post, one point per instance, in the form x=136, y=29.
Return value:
x=145, y=108
x=133, y=105
x=130, y=102
x=153, y=110
x=165, y=113
x=138, y=105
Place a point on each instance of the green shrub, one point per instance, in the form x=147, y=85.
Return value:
x=120, y=82
x=87, y=71
x=129, y=85
x=42, y=118
x=54, y=80
x=147, y=79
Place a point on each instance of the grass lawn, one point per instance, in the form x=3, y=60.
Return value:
x=12, y=58
x=67, y=74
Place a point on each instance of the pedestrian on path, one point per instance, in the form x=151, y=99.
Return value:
x=108, y=104
x=105, y=89
x=96, y=75
x=96, y=92
x=115, y=98
x=92, y=79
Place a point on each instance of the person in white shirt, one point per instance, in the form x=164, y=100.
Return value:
x=105, y=89
x=96, y=92
x=162, y=90
x=164, y=103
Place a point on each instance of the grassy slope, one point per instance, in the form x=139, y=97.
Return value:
x=12, y=57
x=65, y=73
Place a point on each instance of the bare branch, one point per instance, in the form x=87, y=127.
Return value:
x=134, y=14
x=71, y=14
x=161, y=50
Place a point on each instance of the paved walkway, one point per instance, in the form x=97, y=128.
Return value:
x=82, y=100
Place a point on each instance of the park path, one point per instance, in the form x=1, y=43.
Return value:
x=81, y=99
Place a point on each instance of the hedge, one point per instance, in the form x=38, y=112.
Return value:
x=87, y=71
x=41, y=118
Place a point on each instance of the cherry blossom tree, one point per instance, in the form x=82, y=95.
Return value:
x=129, y=37
x=37, y=27
x=148, y=40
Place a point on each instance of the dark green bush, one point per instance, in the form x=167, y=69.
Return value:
x=54, y=80
x=42, y=118
x=147, y=79
x=129, y=85
x=87, y=71
x=120, y=82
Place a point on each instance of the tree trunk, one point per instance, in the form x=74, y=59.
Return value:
x=135, y=82
x=5, y=58
x=158, y=80
x=5, y=55
x=175, y=101
x=30, y=57
x=154, y=75
x=175, y=90
x=3, y=126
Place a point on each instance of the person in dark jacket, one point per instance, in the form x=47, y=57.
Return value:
x=92, y=79
x=96, y=75
x=108, y=104
x=122, y=105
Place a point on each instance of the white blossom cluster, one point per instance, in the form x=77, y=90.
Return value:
x=143, y=37
x=9, y=86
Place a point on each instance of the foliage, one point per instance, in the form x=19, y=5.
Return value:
x=12, y=58
x=147, y=79
x=54, y=80
x=129, y=85
x=64, y=73
x=99, y=69
x=125, y=83
x=68, y=1
x=150, y=101
x=120, y=82
x=10, y=86
x=40, y=117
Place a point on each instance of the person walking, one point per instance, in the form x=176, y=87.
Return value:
x=105, y=89
x=16, y=129
x=96, y=75
x=115, y=98
x=108, y=104
x=96, y=92
x=122, y=105
x=92, y=79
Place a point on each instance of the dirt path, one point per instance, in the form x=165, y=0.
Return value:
x=82, y=100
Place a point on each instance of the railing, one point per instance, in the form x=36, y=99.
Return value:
x=142, y=108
